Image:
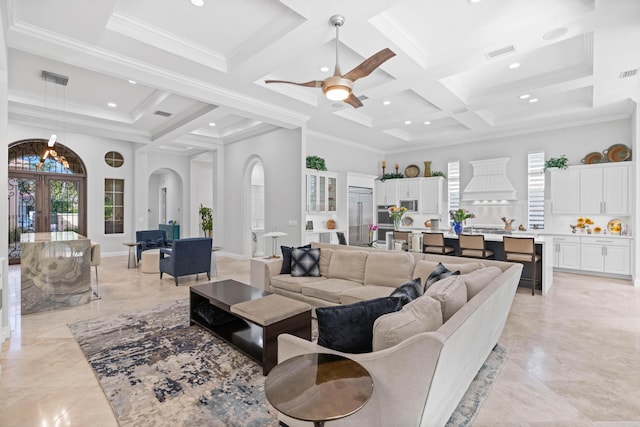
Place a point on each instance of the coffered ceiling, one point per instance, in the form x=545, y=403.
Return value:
x=450, y=82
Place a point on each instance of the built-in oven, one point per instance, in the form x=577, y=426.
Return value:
x=385, y=223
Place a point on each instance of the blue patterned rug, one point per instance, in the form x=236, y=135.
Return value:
x=156, y=370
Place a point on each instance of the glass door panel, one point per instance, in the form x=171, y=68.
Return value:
x=322, y=196
x=64, y=205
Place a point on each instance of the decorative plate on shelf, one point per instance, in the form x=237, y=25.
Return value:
x=411, y=171
x=614, y=226
x=592, y=158
x=618, y=153
x=407, y=221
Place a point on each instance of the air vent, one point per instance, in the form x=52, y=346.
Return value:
x=58, y=79
x=629, y=73
x=363, y=98
x=500, y=52
x=459, y=111
x=161, y=113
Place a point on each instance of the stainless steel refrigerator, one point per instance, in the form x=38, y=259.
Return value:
x=360, y=215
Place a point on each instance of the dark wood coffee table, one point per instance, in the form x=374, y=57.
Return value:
x=258, y=342
x=318, y=387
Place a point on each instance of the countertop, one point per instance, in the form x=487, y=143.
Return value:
x=539, y=235
x=57, y=236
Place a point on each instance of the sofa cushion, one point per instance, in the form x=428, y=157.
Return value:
x=388, y=269
x=349, y=328
x=305, y=262
x=285, y=281
x=329, y=289
x=286, y=258
x=348, y=265
x=478, y=279
x=363, y=293
x=439, y=273
x=424, y=267
x=325, y=258
x=408, y=291
x=451, y=292
x=424, y=314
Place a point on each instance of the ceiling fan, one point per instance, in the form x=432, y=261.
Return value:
x=339, y=86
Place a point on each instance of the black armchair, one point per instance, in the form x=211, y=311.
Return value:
x=150, y=239
x=186, y=256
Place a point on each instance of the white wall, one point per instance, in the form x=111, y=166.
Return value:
x=201, y=192
x=281, y=152
x=4, y=194
x=343, y=156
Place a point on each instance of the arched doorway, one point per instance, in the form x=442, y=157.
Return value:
x=47, y=191
x=254, y=182
x=165, y=198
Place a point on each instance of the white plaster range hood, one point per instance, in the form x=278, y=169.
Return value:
x=489, y=182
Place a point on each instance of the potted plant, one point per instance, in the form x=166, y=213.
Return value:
x=317, y=163
x=206, y=220
x=557, y=162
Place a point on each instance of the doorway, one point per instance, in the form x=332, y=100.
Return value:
x=46, y=191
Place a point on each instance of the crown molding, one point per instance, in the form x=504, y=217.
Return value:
x=391, y=28
x=342, y=141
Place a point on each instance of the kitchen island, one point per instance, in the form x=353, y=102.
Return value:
x=55, y=271
x=544, y=248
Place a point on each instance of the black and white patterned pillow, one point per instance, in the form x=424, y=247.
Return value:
x=438, y=273
x=305, y=262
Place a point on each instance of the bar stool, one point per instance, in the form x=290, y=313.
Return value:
x=472, y=245
x=433, y=243
x=523, y=251
x=402, y=235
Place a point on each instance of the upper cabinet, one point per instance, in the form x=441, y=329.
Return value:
x=386, y=192
x=409, y=188
x=432, y=198
x=321, y=191
x=591, y=190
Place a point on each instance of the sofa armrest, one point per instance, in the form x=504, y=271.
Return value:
x=401, y=377
x=262, y=270
x=165, y=251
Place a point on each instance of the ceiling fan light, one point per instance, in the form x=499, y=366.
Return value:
x=337, y=93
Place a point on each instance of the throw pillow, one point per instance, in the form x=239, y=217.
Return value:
x=305, y=262
x=408, y=291
x=423, y=314
x=349, y=328
x=286, y=258
x=438, y=273
x=477, y=280
x=451, y=292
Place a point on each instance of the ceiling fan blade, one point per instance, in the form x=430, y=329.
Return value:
x=312, y=83
x=353, y=101
x=370, y=64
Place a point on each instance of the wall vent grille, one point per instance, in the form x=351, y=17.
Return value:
x=161, y=113
x=500, y=52
x=629, y=73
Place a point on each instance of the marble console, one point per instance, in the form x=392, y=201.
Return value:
x=55, y=270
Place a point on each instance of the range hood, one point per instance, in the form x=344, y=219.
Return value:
x=489, y=182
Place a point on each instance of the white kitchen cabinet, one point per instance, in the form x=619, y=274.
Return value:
x=432, y=199
x=386, y=192
x=566, y=250
x=605, y=255
x=409, y=188
x=604, y=189
x=321, y=191
x=565, y=191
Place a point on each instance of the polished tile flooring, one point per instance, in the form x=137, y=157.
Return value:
x=574, y=355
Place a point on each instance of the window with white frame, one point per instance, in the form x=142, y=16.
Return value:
x=453, y=184
x=536, y=189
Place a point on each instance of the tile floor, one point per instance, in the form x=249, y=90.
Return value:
x=574, y=354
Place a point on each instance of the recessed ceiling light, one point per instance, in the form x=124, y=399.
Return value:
x=212, y=124
x=386, y=103
x=324, y=69
x=555, y=33
x=133, y=82
x=198, y=3
x=524, y=96
x=514, y=65
x=474, y=1
x=532, y=100
x=112, y=104
x=427, y=123
x=407, y=122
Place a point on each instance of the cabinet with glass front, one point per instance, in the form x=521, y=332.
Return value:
x=321, y=191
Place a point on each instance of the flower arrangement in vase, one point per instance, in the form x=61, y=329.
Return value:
x=458, y=216
x=396, y=214
x=372, y=229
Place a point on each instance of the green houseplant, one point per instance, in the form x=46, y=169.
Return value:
x=206, y=220
x=438, y=173
x=317, y=163
x=557, y=162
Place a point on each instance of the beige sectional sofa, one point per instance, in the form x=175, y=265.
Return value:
x=419, y=380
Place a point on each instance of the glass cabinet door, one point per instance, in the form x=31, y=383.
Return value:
x=322, y=193
x=331, y=193
x=312, y=193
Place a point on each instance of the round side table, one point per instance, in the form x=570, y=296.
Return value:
x=133, y=263
x=318, y=387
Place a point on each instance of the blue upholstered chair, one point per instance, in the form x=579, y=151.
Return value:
x=186, y=256
x=150, y=239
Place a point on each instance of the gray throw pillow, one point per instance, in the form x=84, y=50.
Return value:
x=438, y=273
x=408, y=291
x=305, y=262
x=286, y=258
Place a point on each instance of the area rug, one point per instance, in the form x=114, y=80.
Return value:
x=156, y=370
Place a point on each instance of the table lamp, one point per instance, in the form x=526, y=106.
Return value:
x=274, y=235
